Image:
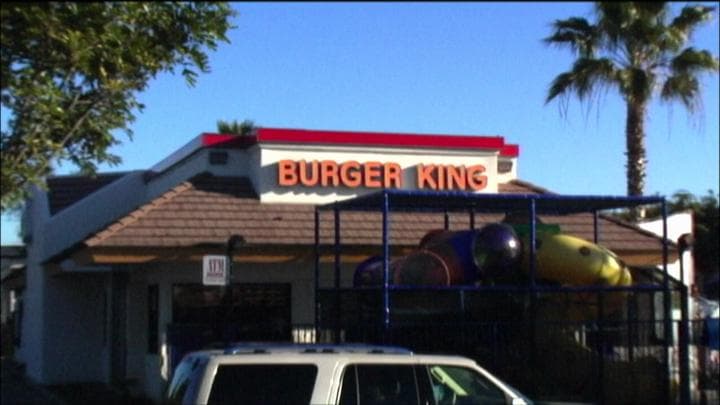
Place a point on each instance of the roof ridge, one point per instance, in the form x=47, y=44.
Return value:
x=531, y=186
x=135, y=215
x=90, y=177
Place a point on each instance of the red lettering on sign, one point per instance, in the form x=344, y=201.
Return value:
x=286, y=173
x=425, y=177
x=373, y=174
x=353, y=174
x=309, y=173
x=475, y=179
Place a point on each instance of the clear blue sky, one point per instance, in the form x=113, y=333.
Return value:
x=440, y=68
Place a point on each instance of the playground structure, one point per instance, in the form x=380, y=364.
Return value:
x=561, y=318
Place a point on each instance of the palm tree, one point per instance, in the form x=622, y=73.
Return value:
x=635, y=48
x=243, y=128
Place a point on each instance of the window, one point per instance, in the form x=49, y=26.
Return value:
x=257, y=311
x=17, y=317
x=153, y=316
x=379, y=384
x=263, y=384
x=348, y=390
x=460, y=385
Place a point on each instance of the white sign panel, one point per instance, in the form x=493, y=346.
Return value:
x=215, y=270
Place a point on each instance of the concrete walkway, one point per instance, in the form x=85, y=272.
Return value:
x=18, y=389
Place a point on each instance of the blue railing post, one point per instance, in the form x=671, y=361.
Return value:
x=336, y=292
x=533, y=245
x=386, y=263
x=596, y=223
x=533, y=294
x=667, y=304
x=316, y=282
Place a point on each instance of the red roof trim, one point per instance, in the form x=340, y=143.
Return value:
x=510, y=150
x=227, y=141
x=274, y=135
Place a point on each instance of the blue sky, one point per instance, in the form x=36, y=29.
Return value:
x=436, y=68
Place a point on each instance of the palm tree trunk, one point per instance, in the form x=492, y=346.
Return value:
x=635, y=148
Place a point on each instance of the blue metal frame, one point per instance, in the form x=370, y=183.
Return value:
x=444, y=202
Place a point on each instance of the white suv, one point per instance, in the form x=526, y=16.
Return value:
x=333, y=374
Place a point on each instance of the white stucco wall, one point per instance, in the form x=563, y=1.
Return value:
x=32, y=343
x=677, y=225
x=510, y=175
x=77, y=329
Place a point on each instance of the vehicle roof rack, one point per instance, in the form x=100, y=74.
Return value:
x=260, y=348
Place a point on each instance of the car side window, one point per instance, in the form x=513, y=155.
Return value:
x=263, y=384
x=348, y=390
x=379, y=384
x=460, y=385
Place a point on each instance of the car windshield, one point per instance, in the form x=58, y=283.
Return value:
x=453, y=385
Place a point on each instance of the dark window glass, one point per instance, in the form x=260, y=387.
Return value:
x=255, y=311
x=263, y=384
x=153, y=316
x=460, y=385
x=386, y=384
x=18, y=319
x=348, y=392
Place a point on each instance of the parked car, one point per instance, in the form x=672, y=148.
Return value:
x=333, y=374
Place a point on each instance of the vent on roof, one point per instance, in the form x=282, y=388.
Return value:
x=218, y=158
x=504, y=166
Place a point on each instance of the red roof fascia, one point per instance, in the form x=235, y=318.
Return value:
x=510, y=150
x=275, y=135
x=226, y=141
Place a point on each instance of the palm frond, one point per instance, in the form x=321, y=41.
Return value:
x=577, y=33
x=243, y=128
x=654, y=9
x=612, y=20
x=583, y=79
x=690, y=17
x=636, y=85
x=694, y=61
x=684, y=88
x=682, y=26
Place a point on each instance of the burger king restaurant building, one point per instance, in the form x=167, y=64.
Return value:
x=115, y=265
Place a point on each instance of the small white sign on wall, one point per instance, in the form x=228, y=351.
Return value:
x=215, y=270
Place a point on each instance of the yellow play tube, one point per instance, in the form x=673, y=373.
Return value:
x=574, y=261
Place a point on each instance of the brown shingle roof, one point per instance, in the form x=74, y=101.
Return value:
x=521, y=187
x=64, y=191
x=209, y=209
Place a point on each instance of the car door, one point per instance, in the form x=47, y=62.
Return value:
x=458, y=385
x=379, y=384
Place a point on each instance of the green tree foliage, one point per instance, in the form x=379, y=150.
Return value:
x=639, y=50
x=706, y=226
x=236, y=128
x=71, y=73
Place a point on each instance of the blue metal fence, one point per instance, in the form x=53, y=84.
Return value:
x=554, y=343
